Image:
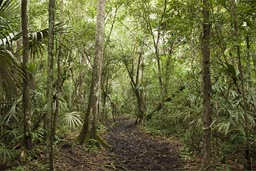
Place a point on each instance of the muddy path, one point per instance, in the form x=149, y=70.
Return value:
x=133, y=149
x=130, y=149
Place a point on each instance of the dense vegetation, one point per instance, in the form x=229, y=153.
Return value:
x=152, y=66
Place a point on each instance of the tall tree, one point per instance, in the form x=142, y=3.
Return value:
x=50, y=115
x=94, y=97
x=136, y=80
x=156, y=32
x=206, y=85
x=58, y=86
x=26, y=87
x=248, y=164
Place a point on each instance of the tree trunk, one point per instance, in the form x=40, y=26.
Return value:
x=248, y=60
x=206, y=86
x=156, y=41
x=141, y=106
x=141, y=99
x=105, y=85
x=167, y=75
x=136, y=85
x=94, y=97
x=26, y=80
x=247, y=155
x=50, y=115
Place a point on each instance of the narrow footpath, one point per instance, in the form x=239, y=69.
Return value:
x=130, y=149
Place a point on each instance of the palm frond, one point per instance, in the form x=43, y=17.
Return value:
x=37, y=39
x=12, y=114
x=8, y=38
x=10, y=71
x=72, y=119
x=8, y=8
x=6, y=154
x=38, y=134
x=8, y=13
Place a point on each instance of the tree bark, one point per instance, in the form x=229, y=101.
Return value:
x=50, y=115
x=206, y=85
x=26, y=78
x=247, y=155
x=135, y=84
x=156, y=41
x=95, y=89
x=248, y=59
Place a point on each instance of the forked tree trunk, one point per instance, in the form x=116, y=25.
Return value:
x=206, y=86
x=135, y=84
x=26, y=85
x=94, y=97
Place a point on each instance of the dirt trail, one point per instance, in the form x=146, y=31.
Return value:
x=131, y=149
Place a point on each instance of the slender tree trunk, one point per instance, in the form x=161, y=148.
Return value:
x=50, y=115
x=112, y=26
x=159, y=68
x=156, y=41
x=142, y=104
x=105, y=85
x=135, y=84
x=26, y=85
x=167, y=74
x=248, y=164
x=58, y=89
x=206, y=86
x=94, y=97
x=248, y=59
x=54, y=116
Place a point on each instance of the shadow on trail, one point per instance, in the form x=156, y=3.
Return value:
x=132, y=149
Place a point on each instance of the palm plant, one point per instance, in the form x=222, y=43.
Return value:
x=11, y=74
x=10, y=36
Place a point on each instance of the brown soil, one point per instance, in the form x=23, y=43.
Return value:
x=130, y=149
x=133, y=149
x=77, y=158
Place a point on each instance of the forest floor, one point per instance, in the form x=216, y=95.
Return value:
x=130, y=149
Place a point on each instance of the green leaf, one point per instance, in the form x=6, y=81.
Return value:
x=72, y=119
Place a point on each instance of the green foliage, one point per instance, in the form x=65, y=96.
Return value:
x=6, y=154
x=38, y=135
x=134, y=27
x=8, y=17
x=72, y=119
x=10, y=74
